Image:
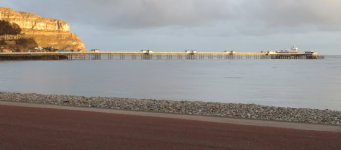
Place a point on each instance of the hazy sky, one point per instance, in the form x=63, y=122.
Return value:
x=203, y=25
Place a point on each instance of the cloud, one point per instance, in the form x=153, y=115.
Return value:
x=186, y=21
x=138, y=13
x=285, y=15
x=155, y=13
x=293, y=13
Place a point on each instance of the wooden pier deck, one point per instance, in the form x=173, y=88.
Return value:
x=145, y=55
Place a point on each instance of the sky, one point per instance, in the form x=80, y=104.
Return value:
x=202, y=25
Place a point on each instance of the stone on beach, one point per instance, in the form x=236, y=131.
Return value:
x=251, y=111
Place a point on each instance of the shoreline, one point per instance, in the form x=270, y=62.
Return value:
x=196, y=108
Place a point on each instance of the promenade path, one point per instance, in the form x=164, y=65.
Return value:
x=38, y=126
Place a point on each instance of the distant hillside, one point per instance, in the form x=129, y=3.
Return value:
x=46, y=32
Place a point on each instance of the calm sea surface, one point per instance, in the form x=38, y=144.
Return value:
x=287, y=83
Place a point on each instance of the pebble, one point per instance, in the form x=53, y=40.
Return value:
x=231, y=110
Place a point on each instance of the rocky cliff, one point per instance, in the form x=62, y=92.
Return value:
x=45, y=31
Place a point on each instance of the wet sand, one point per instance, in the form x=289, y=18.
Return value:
x=48, y=128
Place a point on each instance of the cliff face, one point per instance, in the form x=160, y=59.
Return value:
x=45, y=31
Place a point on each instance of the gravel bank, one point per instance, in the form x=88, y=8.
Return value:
x=234, y=110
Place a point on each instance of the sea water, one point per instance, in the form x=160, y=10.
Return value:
x=296, y=83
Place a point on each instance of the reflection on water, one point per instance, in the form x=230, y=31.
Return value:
x=292, y=83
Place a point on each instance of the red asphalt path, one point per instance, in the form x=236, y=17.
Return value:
x=49, y=129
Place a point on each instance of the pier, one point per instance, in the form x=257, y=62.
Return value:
x=151, y=55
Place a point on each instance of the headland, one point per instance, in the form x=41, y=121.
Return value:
x=46, y=32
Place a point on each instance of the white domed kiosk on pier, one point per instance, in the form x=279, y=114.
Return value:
x=294, y=49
